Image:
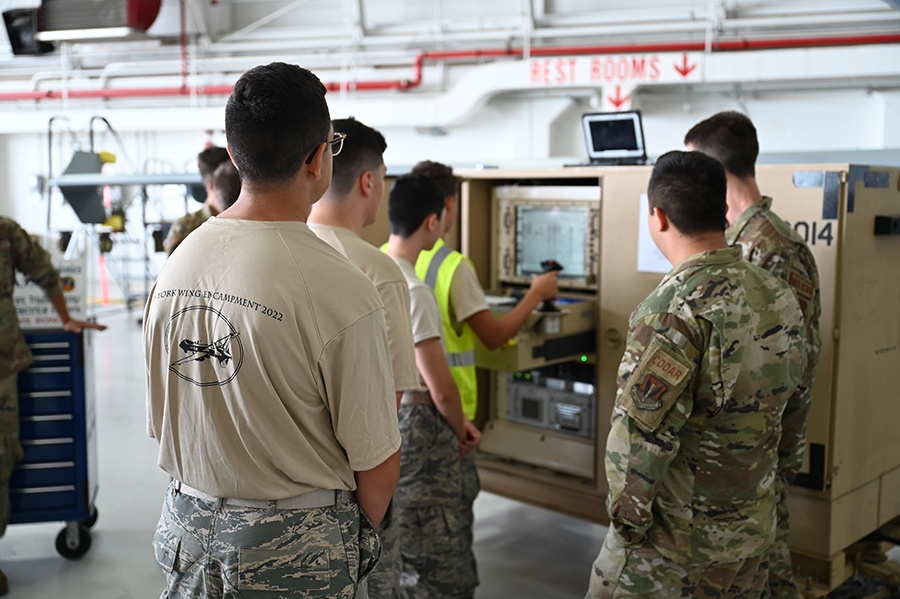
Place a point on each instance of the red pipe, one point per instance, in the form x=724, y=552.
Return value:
x=416, y=80
x=52, y=94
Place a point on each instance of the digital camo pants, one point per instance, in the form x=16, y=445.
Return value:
x=427, y=505
x=227, y=552
x=468, y=565
x=10, y=450
x=626, y=572
x=384, y=581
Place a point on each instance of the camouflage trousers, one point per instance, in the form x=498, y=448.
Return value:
x=427, y=505
x=210, y=551
x=781, y=573
x=641, y=571
x=10, y=450
x=384, y=581
x=468, y=564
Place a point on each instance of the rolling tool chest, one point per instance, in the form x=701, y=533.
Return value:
x=57, y=478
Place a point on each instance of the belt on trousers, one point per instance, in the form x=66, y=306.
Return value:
x=416, y=398
x=313, y=499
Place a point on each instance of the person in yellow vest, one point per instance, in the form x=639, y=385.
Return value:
x=465, y=315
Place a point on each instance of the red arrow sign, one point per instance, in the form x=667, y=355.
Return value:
x=618, y=99
x=685, y=68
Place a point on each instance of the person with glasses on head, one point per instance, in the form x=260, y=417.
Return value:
x=269, y=379
x=351, y=204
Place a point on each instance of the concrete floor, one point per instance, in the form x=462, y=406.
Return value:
x=523, y=551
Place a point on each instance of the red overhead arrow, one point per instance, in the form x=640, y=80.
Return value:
x=685, y=69
x=618, y=99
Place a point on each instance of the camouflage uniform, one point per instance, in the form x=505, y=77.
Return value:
x=770, y=243
x=384, y=581
x=183, y=227
x=426, y=502
x=468, y=566
x=218, y=551
x=713, y=356
x=18, y=252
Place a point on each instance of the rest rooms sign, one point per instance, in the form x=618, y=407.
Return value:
x=625, y=69
x=33, y=307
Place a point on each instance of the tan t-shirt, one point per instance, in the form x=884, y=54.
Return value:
x=267, y=368
x=426, y=316
x=466, y=295
x=391, y=286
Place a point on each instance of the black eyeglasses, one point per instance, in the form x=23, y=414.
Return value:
x=336, y=143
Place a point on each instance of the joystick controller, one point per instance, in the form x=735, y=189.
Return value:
x=550, y=265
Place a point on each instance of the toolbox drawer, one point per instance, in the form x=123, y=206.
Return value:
x=40, y=403
x=51, y=353
x=47, y=474
x=60, y=449
x=46, y=498
x=46, y=378
x=43, y=427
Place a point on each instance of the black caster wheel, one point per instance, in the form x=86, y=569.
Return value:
x=90, y=520
x=73, y=546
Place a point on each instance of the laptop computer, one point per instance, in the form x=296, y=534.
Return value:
x=614, y=138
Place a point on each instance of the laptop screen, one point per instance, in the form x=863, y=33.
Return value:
x=614, y=137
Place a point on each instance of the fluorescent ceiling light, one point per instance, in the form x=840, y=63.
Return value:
x=86, y=34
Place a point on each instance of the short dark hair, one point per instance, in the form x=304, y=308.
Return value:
x=730, y=138
x=363, y=151
x=440, y=174
x=209, y=160
x=276, y=116
x=227, y=182
x=690, y=188
x=412, y=199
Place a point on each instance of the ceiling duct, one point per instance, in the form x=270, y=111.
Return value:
x=84, y=20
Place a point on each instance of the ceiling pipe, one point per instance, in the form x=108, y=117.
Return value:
x=436, y=56
x=182, y=42
x=501, y=32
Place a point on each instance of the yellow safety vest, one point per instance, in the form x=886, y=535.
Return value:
x=436, y=268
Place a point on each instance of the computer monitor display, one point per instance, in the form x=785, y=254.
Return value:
x=614, y=137
x=535, y=223
x=546, y=232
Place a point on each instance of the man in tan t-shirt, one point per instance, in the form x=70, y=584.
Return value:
x=466, y=315
x=350, y=204
x=269, y=384
x=436, y=433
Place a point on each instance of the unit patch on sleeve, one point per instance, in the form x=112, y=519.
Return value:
x=803, y=287
x=656, y=383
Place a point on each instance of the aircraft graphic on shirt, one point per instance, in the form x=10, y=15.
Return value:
x=198, y=352
x=204, y=348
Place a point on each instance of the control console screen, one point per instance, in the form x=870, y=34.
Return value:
x=552, y=232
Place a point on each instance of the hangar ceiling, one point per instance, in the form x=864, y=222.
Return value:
x=204, y=45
